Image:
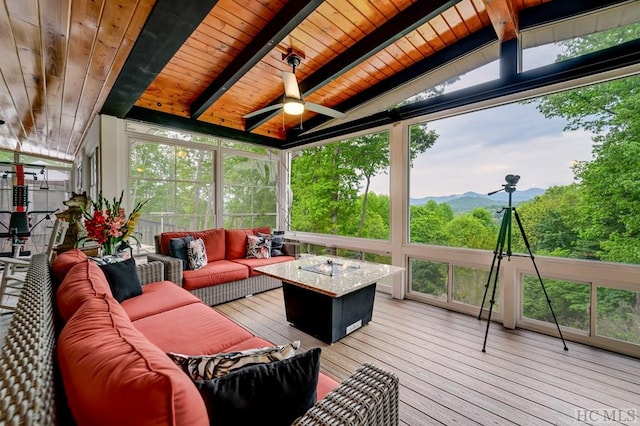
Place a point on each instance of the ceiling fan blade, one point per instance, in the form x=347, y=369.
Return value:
x=291, y=88
x=321, y=109
x=261, y=110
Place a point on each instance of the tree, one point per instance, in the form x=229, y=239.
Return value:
x=610, y=183
x=472, y=230
x=551, y=224
x=428, y=223
x=324, y=189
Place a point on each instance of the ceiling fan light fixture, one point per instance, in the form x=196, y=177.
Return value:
x=293, y=107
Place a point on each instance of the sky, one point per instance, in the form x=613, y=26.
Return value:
x=475, y=151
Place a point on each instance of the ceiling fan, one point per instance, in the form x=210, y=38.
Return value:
x=292, y=103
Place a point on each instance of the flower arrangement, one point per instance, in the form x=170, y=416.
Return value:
x=109, y=226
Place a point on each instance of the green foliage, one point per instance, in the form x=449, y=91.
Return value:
x=429, y=278
x=330, y=185
x=473, y=230
x=249, y=192
x=551, y=223
x=570, y=302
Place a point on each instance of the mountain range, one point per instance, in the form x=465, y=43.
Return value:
x=470, y=200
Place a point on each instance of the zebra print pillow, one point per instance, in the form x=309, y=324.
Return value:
x=207, y=367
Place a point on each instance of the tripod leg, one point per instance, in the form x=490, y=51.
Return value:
x=492, y=302
x=544, y=290
x=491, y=270
x=504, y=227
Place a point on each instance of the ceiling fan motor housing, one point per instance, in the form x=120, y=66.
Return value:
x=293, y=58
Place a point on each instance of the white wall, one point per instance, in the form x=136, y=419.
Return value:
x=114, y=158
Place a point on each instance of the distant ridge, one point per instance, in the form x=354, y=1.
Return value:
x=470, y=200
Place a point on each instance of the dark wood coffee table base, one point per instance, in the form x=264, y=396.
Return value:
x=325, y=317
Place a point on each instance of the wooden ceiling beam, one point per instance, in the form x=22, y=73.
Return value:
x=395, y=28
x=285, y=21
x=168, y=27
x=503, y=17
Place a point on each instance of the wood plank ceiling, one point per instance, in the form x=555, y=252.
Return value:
x=206, y=63
x=59, y=60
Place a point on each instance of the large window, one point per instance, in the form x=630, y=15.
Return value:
x=342, y=188
x=177, y=172
x=178, y=181
x=250, y=196
x=577, y=155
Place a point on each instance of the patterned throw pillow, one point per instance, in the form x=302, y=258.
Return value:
x=197, y=254
x=259, y=246
x=207, y=367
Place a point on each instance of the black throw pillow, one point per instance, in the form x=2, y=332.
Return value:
x=178, y=248
x=276, y=393
x=277, y=241
x=123, y=279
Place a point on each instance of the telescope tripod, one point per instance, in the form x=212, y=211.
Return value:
x=504, y=236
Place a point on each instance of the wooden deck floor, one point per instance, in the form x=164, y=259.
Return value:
x=524, y=377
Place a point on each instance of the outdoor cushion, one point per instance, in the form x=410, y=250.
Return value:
x=197, y=254
x=192, y=329
x=214, y=242
x=254, y=263
x=84, y=281
x=207, y=367
x=236, y=241
x=157, y=297
x=259, y=246
x=178, y=249
x=123, y=279
x=112, y=375
x=214, y=273
x=65, y=261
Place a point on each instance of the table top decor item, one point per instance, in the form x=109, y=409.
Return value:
x=109, y=226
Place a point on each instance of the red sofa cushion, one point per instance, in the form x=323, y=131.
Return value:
x=112, y=375
x=157, y=297
x=65, y=261
x=325, y=385
x=194, y=329
x=214, y=273
x=214, y=242
x=254, y=263
x=84, y=281
x=236, y=241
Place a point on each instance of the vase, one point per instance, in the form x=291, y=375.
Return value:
x=109, y=248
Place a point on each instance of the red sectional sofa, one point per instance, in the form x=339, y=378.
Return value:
x=229, y=273
x=113, y=362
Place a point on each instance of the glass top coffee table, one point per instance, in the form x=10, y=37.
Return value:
x=327, y=296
